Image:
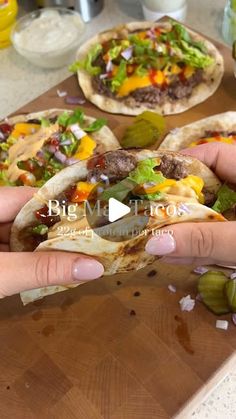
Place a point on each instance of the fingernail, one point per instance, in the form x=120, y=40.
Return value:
x=161, y=245
x=86, y=269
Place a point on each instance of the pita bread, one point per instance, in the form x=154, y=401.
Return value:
x=28, y=146
x=180, y=138
x=121, y=256
x=128, y=106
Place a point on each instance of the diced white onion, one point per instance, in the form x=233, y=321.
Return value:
x=222, y=324
x=105, y=178
x=60, y=156
x=100, y=190
x=234, y=318
x=171, y=288
x=127, y=53
x=103, y=76
x=233, y=275
x=109, y=66
x=77, y=131
x=187, y=303
x=93, y=180
x=61, y=93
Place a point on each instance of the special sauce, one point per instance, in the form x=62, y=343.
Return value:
x=49, y=32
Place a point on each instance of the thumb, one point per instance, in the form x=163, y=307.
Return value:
x=24, y=271
x=211, y=242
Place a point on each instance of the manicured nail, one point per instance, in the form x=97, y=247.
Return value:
x=86, y=269
x=161, y=245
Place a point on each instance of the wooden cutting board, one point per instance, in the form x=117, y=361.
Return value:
x=118, y=347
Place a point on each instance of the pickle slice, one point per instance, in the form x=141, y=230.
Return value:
x=234, y=50
x=157, y=120
x=211, y=287
x=145, y=131
x=230, y=292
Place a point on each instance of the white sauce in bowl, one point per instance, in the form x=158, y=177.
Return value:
x=51, y=31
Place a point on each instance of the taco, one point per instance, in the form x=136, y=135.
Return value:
x=34, y=147
x=156, y=178
x=160, y=66
x=218, y=128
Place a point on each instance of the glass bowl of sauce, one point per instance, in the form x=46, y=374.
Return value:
x=49, y=37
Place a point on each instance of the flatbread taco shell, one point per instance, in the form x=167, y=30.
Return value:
x=180, y=138
x=116, y=257
x=212, y=76
x=28, y=146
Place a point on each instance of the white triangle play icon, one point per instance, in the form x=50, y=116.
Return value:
x=116, y=210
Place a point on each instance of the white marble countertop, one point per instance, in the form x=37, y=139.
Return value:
x=21, y=82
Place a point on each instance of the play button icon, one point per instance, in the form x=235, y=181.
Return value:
x=114, y=220
x=116, y=210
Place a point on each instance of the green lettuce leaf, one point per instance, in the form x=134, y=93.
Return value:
x=141, y=46
x=114, y=52
x=44, y=122
x=145, y=173
x=119, y=191
x=120, y=76
x=96, y=125
x=183, y=35
x=142, y=174
x=152, y=196
x=4, y=181
x=226, y=199
x=87, y=64
x=141, y=71
x=181, y=32
x=195, y=57
x=4, y=146
x=66, y=119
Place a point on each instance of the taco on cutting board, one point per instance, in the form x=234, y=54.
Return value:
x=219, y=128
x=144, y=65
x=34, y=147
x=156, y=178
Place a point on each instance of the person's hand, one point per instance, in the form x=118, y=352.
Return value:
x=24, y=271
x=202, y=243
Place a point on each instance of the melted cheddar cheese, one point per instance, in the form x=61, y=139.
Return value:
x=132, y=83
x=23, y=129
x=85, y=148
x=227, y=140
x=83, y=191
x=191, y=186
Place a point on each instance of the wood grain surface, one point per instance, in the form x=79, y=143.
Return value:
x=118, y=347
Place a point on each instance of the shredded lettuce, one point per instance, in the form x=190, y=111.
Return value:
x=120, y=76
x=141, y=71
x=119, y=191
x=145, y=173
x=152, y=196
x=4, y=181
x=87, y=64
x=66, y=119
x=183, y=35
x=4, y=146
x=44, y=122
x=96, y=125
x=140, y=45
x=226, y=199
x=195, y=57
x=114, y=52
